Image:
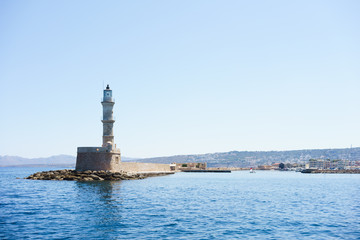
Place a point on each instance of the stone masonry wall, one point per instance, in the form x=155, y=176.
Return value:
x=98, y=161
x=144, y=167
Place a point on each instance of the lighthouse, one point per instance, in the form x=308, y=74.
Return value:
x=108, y=119
x=107, y=157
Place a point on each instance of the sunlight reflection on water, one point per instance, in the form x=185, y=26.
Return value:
x=184, y=205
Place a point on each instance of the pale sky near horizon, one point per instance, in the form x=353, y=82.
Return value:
x=189, y=77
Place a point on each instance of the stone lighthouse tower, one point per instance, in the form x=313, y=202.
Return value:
x=108, y=119
x=107, y=157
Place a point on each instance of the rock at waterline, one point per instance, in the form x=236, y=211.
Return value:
x=88, y=175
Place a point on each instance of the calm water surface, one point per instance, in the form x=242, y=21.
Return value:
x=240, y=205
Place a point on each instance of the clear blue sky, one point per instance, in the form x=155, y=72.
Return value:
x=188, y=76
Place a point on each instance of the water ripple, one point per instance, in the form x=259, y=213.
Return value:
x=265, y=205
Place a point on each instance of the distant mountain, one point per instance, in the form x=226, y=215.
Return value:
x=255, y=158
x=128, y=159
x=58, y=160
x=225, y=159
x=63, y=160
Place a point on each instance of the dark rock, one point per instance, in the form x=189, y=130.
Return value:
x=87, y=179
x=69, y=178
x=88, y=175
x=95, y=177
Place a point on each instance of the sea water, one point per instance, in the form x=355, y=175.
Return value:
x=237, y=205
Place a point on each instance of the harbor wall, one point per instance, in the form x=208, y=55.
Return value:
x=144, y=167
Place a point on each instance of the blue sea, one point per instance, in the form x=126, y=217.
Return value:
x=237, y=205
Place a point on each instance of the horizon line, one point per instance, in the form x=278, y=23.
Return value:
x=194, y=153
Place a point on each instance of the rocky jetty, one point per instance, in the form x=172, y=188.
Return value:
x=350, y=171
x=72, y=175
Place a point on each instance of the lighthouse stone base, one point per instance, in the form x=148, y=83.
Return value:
x=97, y=159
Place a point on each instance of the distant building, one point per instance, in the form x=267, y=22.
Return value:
x=275, y=165
x=327, y=164
x=353, y=165
x=265, y=167
x=187, y=166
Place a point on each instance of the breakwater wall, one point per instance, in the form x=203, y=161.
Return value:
x=352, y=171
x=136, y=167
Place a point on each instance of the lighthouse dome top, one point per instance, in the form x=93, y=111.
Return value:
x=107, y=94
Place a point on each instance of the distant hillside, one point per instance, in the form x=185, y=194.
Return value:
x=63, y=160
x=226, y=159
x=58, y=160
x=248, y=159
